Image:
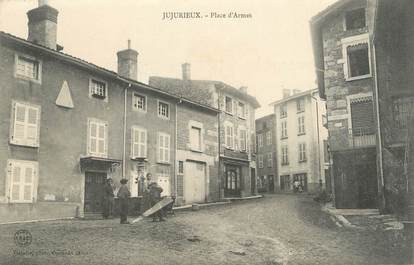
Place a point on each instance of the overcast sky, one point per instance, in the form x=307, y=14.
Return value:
x=268, y=52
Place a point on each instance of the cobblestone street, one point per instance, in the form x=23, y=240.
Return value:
x=278, y=229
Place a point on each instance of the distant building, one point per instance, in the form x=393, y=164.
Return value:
x=363, y=51
x=236, y=124
x=267, y=176
x=299, y=139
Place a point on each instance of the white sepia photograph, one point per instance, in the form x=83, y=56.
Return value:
x=195, y=132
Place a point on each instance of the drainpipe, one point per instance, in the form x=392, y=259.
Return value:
x=124, y=130
x=219, y=146
x=319, y=144
x=175, y=149
x=381, y=173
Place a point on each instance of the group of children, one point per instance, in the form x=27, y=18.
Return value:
x=151, y=196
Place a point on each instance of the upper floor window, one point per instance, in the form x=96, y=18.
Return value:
x=260, y=161
x=260, y=140
x=139, y=102
x=229, y=104
x=241, y=110
x=243, y=139
x=163, y=110
x=97, y=138
x=301, y=125
x=403, y=108
x=283, y=129
x=285, y=156
x=139, y=142
x=362, y=119
x=356, y=53
x=181, y=167
x=28, y=68
x=98, y=89
x=195, y=138
x=355, y=19
x=300, y=105
x=269, y=137
x=22, y=179
x=269, y=160
x=283, y=111
x=302, y=152
x=26, y=124
x=164, y=148
x=229, y=135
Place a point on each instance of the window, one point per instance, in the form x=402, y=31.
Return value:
x=97, y=138
x=301, y=125
x=285, y=157
x=241, y=110
x=26, y=124
x=139, y=102
x=362, y=116
x=28, y=68
x=229, y=135
x=285, y=182
x=163, y=148
x=402, y=109
x=283, y=111
x=300, y=105
x=229, y=104
x=302, y=152
x=98, y=89
x=283, y=129
x=356, y=57
x=180, y=167
x=195, y=138
x=243, y=139
x=269, y=160
x=163, y=110
x=355, y=19
x=260, y=158
x=260, y=140
x=269, y=138
x=22, y=176
x=139, y=142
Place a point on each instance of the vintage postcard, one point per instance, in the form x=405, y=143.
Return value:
x=206, y=132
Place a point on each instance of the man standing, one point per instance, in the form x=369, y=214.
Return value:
x=108, y=199
x=123, y=195
x=155, y=196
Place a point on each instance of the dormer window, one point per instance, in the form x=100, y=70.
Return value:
x=98, y=89
x=355, y=19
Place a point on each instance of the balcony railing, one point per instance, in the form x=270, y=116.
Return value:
x=343, y=139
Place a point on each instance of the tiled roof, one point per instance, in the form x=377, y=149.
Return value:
x=198, y=90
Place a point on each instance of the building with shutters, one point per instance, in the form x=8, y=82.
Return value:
x=68, y=125
x=267, y=176
x=236, y=127
x=362, y=67
x=299, y=119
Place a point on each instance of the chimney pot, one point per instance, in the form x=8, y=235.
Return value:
x=43, y=25
x=186, y=68
x=129, y=44
x=286, y=93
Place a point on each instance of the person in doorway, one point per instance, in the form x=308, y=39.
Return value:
x=108, y=199
x=145, y=202
x=155, y=196
x=296, y=185
x=123, y=195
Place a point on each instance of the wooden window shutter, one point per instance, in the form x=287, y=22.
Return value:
x=19, y=126
x=92, y=137
x=134, y=142
x=15, y=182
x=28, y=183
x=143, y=143
x=362, y=115
x=32, y=126
x=167, y=148
x=160, y=147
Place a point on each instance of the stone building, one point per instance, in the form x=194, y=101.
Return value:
x=362, y=51
x=236, y=126
x=267, y=176
x=68, y=124
x=300, y=136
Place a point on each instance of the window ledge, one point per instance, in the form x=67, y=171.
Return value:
x=230, y=113
x=242, y=118
x=163, y=117
x=358, y=77
x=285, y=164
x=302, y=161
x=26, y=78
x=299, y=134
x=24, y=145
x=163, y=163
x=283, y=138
x=196, y=150
x=139, y=110
x=282, y=117
x=300, y=111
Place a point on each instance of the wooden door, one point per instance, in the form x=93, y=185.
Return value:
x=94, y=191
x=194, y=182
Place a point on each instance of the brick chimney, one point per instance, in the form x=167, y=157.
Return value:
x=286, y=93
x=128, y=63
x=43, y=25
x=243, y=89
x=186, y=67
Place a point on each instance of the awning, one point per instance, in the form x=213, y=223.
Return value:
x=98, y=163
